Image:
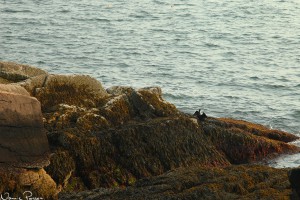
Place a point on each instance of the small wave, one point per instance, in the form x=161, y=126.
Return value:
x=231, y=97
x=176, y=96
x=27, y=39
x=140, y=15
x=211, y=45
x=275, y=86
x=285, y=161
x=102, y=20
x=64, y=11
x=296, y=114
x=229, y=54
x=159, y=2
x=9, y=10
x=254, y=78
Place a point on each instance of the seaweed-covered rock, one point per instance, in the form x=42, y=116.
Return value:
x=244, y=142
x=120, y=155
x=137, y=105
x=134, y=133
x=79, y=90
x=256, y=129
x=119, y=90
x=62, y=167
x=233, y=182
x=126, y=137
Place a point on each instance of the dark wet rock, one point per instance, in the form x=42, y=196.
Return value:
x=294, y=178
x=233, y=182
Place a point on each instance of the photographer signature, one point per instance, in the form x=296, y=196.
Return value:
x=26, y=194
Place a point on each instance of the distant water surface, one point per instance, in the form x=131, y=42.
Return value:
x=231, y=58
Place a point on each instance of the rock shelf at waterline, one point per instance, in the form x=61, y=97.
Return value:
x=123, y=142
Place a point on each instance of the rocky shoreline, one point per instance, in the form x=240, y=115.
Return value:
x=66, y=137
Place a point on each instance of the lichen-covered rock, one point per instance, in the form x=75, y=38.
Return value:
x=234, y=182
x=14, y=72
x=240, y=145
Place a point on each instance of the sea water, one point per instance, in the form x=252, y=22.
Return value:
x=232, y=58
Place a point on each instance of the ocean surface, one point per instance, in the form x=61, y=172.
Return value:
x=230, y=58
